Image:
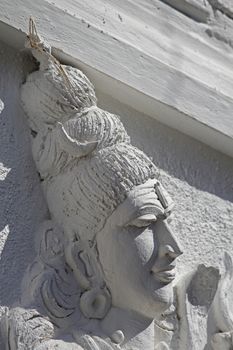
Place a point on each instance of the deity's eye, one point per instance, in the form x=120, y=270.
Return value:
x=143, y=221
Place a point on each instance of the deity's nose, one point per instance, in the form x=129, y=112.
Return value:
x=168, y=250
x=167, y=242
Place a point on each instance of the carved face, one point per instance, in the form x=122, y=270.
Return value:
x=137, y=254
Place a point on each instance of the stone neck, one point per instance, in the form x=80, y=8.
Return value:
x=138, y=330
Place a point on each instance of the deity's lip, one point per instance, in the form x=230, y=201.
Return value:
x=158, y=268
x=164, y=274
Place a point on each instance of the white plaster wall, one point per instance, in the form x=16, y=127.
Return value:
x=22, y=205
x=199, y=179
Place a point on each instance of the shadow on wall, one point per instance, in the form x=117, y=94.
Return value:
x=23, y=206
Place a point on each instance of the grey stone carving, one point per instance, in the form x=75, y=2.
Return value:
x=106, y=257
x=101, y=275
x=222, y=309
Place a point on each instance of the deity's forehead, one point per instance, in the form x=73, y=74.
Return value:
x=144, y=203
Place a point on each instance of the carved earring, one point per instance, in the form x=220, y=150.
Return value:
x=95, y=303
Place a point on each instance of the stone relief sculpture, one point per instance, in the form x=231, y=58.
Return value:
x=221, y=310
x=106, y=257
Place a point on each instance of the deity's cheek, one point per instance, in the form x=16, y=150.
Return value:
x=127, y=251
x=146, y=246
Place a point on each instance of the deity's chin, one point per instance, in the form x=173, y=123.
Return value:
x=149, y=303
x=162, y=299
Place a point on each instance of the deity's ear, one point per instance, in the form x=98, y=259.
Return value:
x=72, y=254
x=95, y=300
x=95, y=303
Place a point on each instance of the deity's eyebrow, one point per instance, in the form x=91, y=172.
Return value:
x=142, y=221
x=146, y=213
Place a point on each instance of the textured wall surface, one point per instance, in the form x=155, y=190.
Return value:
x=199, y=179
x=22, y=205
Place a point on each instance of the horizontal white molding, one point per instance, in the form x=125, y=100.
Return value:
x=144, y=54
